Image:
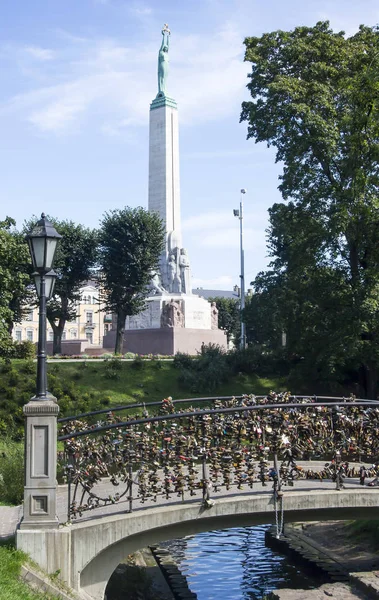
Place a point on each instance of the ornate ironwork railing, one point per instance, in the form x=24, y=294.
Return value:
x=242, y=442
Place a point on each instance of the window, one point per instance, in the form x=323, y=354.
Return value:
x=51, y=336
x=106, y=328
x=84, y=299
x=89, y=317
x=29, y=335
x=63, y=335
x=29, y=316
x=73, y=333
x=89, y=337
x=18, y=335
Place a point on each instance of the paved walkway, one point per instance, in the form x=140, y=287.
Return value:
x=10, y=516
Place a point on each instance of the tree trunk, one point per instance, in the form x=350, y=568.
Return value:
x=57, y=339
x=120, y=330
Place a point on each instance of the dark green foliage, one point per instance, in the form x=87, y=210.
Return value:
x=14, y=279
x=137, y=363
x=75, y=258
x=315, y=99
x=29, y=367
x=205, y=373
x=112, y=368
x=182, y=360
x=25, y=349
x=131, y=242
x=229, y=316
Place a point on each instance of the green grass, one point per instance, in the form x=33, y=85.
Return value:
x=149, y=383
x=11, y=586
x=145, y=383
x=11, y=471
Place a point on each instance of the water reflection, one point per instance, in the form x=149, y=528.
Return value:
x=234, y=564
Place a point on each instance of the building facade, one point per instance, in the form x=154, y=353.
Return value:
x=90, y=325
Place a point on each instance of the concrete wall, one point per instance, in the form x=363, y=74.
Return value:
x=87, y=553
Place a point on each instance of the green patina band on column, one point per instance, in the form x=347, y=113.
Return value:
x=163, y=101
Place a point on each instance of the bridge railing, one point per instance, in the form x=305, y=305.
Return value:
x=240, y=442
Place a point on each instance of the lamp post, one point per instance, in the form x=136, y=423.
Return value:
x=41, y=412
x=239, y=214
x=43, y=240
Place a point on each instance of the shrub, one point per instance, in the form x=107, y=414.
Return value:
x=29, y=367
x=25, y=349
x=182, y=360
x=13, y=377
x=157, y=364
x=112, y=368
x=11, y=471
x=212, y=350
x=137, y=362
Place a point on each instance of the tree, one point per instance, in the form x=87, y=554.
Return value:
x=229, y=316
x=74, y=262
x=131, y=243
x=14, y=280
x=315, y=99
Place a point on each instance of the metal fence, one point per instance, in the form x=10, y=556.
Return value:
x=240, y=443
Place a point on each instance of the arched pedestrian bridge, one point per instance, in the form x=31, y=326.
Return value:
x=145, y=479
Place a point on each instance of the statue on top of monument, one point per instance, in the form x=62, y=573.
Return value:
x=163, y=61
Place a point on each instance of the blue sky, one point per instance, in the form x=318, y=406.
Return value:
x=77, y=78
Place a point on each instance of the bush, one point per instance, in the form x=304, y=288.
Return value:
x=205, y=373
x=25, y=349
x=137, y=362
x=29, y=367
x=11, y=471
x=112, y=368
x=182, y=360
x=211, y=350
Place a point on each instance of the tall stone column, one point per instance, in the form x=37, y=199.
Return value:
x=164, y=182
x=40, y=465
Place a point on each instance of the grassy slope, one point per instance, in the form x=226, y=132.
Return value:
x=11, y=587
x=149, y=383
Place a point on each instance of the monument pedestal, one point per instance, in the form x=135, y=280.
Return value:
x=171, y=323
x=167, y=341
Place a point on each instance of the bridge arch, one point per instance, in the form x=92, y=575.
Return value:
x=99, y=546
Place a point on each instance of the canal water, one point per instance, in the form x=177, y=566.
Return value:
x=234, y=564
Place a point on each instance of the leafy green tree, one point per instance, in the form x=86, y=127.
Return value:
x=315, y=99
x=229, y=316
x=131, y=243
x=75, y=260
x=15, y=291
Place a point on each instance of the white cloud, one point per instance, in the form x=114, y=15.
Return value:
x=105, y=77
x=39, y=53
x=141, y=10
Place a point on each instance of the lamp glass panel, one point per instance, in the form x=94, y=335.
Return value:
x=38, y=252
x=51, y=244
x=37, y=283
x=49, y=285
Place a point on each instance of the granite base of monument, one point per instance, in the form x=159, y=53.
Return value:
x=167, y=341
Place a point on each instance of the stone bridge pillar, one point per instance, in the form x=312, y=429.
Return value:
x=40, y=465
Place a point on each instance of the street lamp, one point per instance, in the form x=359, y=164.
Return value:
x=239, y=214
x=42, y=240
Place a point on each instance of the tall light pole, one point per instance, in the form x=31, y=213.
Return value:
x=239, y=214
x=43, y=240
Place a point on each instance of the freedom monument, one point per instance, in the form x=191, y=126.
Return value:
x=175, y=320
